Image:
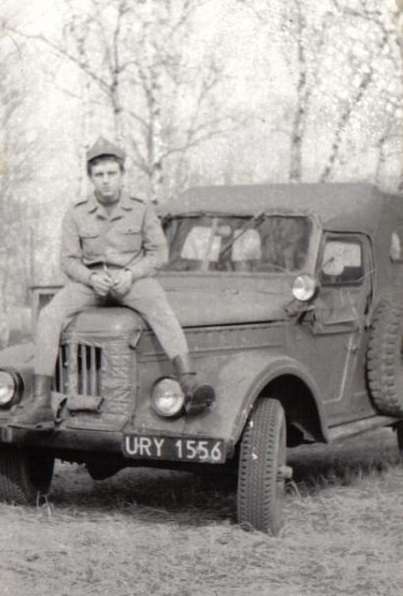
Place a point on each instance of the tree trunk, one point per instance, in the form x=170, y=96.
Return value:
x=298, y=125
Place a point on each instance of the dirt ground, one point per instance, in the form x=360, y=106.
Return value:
x=171, y=533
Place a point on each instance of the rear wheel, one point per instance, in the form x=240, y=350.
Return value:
x=399, y=434
x=385, y=358
x=24, y=477
x=262, y=467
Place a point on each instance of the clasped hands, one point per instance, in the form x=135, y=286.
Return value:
x=116, y=285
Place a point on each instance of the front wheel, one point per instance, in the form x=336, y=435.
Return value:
x=262, y=467
x=399, y=434
x=24, y=477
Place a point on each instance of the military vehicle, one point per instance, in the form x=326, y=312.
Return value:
x=290, y=299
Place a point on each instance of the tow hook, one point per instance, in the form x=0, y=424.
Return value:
x=284, y=473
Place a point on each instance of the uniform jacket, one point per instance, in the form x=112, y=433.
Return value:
x=131, y=238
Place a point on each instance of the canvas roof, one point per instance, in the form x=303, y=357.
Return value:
x=339, y=206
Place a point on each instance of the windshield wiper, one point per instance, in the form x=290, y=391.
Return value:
x=250, y=224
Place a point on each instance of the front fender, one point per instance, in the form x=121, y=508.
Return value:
x=239, y=382
x=21, y=359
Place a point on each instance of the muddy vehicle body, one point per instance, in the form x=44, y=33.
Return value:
x=289, y=297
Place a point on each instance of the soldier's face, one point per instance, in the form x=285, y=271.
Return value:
x=107, y=179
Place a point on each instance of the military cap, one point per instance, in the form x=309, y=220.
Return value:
x=104, y=147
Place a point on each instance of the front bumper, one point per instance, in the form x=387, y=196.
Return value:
x=80, y=441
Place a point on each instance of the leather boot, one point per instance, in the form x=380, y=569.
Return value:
x=198, y=396
x=38, y=414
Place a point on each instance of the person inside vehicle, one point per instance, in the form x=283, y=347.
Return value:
x=112, y=246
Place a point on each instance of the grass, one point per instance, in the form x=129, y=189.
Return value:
x=170, y=533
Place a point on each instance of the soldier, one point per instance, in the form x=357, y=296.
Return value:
x=112, y=245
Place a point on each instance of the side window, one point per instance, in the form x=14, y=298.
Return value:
x=342, y=262
x=395, y=251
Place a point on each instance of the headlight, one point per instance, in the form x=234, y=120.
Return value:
x=304, y=288
x=7, y=387
x=167, y=398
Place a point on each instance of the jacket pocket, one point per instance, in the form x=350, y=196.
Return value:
x=129, y=238
x=90, y=242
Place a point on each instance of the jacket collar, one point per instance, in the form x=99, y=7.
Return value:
x=125, y=201
x=94, y=206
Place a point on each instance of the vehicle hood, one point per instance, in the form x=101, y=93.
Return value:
x=106, y=322
x=197, y=300
x=212, y=300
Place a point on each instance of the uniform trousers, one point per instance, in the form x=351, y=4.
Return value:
x=146, y=296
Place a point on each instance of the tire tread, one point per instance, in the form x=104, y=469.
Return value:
x=384, y=343
x=257, y=478
x=17, y=469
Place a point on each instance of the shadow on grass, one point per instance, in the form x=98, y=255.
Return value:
x=152, y=495
x=188, y=499
x=319, y=467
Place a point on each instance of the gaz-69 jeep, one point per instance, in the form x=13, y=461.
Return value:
x=290, y=299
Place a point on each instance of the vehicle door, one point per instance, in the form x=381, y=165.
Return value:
x=336, y=325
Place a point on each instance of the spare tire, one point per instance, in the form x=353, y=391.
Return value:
x=385, y=358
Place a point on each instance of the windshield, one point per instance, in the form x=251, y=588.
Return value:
x=260, y=243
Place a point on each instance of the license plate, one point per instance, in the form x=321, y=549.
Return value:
x=174, y=448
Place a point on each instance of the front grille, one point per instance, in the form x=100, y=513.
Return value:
x=78, y=370
x=88, y=370
x=60, y=378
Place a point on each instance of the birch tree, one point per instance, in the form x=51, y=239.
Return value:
x=158, y=99
x=303, y=40
x=343, y=66
x=399, y=28
x=367, y=66
x=16, y=212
